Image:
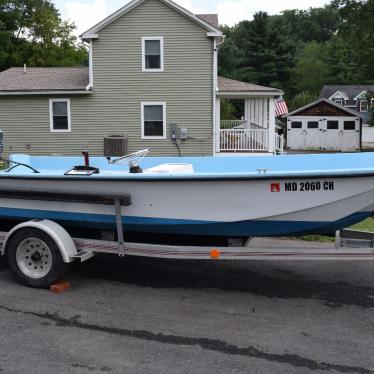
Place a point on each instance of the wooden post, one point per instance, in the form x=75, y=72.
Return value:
x=217, y=126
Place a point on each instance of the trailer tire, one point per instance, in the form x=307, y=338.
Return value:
x=35, y=258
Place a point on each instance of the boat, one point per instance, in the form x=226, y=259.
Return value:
x=215, y=197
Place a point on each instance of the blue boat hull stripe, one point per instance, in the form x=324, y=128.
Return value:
x=186, y=227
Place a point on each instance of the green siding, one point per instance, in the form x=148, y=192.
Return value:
x=120, y=86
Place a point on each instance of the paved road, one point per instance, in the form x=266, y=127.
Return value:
x=147, y=316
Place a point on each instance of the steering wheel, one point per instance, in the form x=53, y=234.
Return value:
x=138, y=154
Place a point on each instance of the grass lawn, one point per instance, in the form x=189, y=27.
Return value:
x=366, y=225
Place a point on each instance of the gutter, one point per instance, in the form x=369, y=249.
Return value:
x=22, y=93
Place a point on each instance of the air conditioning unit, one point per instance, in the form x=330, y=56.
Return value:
x=115, y=145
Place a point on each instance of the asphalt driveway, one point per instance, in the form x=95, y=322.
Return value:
x=155, y=316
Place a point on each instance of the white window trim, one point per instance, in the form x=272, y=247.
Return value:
x=51, y=101
x=143, y=104
x=161, y=39
x=339, y=101
x=367, y=106
x=338, y=95
x=361, y=95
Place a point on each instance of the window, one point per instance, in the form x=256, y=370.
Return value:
x=313, y=124
x=296, y=125
x=153, y=117
x=363, y=106
x=59, y=112
x=332, y=125
x=349, y=125
x=338, y=101
x=153, y=53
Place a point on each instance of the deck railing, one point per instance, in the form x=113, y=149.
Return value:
x=244, y=140
x=233, y=123
x=279, y=143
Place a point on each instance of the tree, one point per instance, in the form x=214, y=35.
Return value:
x=311, y=71
x=358, y=29
x=301, y=99
x=228, y=110
x=32, y=32
x=257, y=51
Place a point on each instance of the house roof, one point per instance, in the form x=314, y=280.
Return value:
x=340, y=107
x=41, y=80
x=210, y=18
x=92, y=32
x=231, y=86
x=350, y=91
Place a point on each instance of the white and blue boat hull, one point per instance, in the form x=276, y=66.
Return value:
x=236, y=206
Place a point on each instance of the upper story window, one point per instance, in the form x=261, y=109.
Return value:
x=153, y=53
x=363, y=105
x=59, y=112
x=153, y=118
x=339, y=101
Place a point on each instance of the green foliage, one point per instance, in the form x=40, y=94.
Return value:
x=370, y=100
x=299, y=51
x=32, y=32
x=358, y=28
x=256, y=51
x=301, y=99
x=311, y=71
x=228, y=110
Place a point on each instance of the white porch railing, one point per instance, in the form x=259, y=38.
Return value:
x=243, y=136
x=233, y=123
x=279, y=143
x=244, y=140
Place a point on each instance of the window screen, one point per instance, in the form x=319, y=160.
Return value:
x=153, y=120
x=332, y=125
x=60, y=115
x=349, y=125
x=152, y=54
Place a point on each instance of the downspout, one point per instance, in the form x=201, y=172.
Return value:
x=90, y=68
x=215, y=59
x=215, y=89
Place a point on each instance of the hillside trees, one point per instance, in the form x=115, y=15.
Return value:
x=32, y=32
x=301, y=50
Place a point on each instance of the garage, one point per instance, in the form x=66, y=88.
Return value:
x=324, y=125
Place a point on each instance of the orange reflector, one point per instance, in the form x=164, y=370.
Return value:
x=60, y=287
x=215, y=253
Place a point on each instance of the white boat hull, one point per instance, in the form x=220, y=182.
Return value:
x=231, y=208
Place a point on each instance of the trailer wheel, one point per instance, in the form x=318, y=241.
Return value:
x=34, y=258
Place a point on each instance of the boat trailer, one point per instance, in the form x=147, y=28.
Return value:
x=37, y=250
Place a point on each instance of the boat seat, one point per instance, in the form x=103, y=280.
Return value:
x=171, y=168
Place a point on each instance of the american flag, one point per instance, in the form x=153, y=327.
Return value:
x=280, y=107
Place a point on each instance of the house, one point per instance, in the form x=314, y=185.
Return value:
x=354, y=97
x=152, y=78
x=324, y=125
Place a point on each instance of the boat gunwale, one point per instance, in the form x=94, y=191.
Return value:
x=187, y=178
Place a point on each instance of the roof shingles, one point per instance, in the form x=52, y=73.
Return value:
x=44, y=79
x=230, y=85
x=212, y=19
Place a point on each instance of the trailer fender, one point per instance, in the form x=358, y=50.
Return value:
x=60, y=236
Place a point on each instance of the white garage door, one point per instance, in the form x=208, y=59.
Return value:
x=331, y=133
x=305, y=134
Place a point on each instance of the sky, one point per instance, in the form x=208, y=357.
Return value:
x=86, y=13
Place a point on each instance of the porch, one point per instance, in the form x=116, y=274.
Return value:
x=256, y=131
